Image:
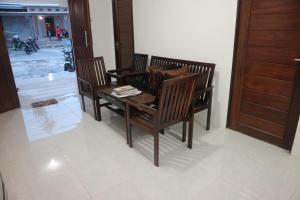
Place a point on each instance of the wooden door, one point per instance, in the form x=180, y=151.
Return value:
x=265, y=86
x=81, y=29
x=123, y=32
x=9, y=99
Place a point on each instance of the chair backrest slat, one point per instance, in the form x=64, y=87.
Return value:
x=140, y=62
x=175, y=99
x=93, y=70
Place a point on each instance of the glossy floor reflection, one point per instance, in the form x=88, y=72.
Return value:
x=58, y=152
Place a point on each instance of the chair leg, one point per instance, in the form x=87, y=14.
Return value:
x=129, y=135
x=156, y=149
x=191, y=129
x=209, y=112
x=83, y=105
x=98, y=109
x=184, y=124
x=208, y=118
x=128, y=126
x=95, y=109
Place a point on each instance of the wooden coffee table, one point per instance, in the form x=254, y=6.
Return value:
x=105, y=94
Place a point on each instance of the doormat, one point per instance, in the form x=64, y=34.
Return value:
x=44, y=103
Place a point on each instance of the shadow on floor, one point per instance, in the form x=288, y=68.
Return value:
x=173, y=153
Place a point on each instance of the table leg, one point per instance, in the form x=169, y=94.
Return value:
x=128, y=128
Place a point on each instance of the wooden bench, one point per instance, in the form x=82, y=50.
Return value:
x=203, y=95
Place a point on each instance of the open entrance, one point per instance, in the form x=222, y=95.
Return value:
x=39, y=42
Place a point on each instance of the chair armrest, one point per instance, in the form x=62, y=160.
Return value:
x=113, y=75
x=208, y=89
x=142, y=107
x=129, y=75
x=85, y=82
x=119, y=70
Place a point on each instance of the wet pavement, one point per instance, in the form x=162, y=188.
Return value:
x=37, y=64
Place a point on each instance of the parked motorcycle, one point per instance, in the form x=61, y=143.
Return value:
x=28, y=48
x=28, y=45
x=69, y=65
x=33, y=44
x=18, y=44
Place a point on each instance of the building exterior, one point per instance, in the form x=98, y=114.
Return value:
x=34, y=20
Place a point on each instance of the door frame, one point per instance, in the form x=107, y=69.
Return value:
x=235, y=84
x=15, y=102
x=117, y=33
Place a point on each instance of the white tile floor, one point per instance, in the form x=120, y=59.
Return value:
x=58, y=152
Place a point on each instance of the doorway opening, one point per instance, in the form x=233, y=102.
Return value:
x=39, y=43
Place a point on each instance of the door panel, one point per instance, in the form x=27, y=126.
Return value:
x=266, y=99
x=270, y=128
x=272, y=55
x=9, y=99
x=270, y=70
x=81, y=29
x=265, y=82
x=275, y=22
x=123, y=31
x=268, y=85
x=266, y=113
x=274, y=38
x=275, y=6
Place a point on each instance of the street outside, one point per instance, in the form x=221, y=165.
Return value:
x=37, y=64
x=40, y=76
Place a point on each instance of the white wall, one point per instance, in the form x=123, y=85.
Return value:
x=102, y=30
x=200, y=30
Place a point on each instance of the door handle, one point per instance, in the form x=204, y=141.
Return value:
x=117, y=45
x=86, y=39
x=297, y=59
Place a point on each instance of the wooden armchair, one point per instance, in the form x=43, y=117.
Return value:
x=92, y=77
x=134, y=75
x=174, y=107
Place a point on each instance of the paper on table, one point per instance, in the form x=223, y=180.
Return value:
x=126, y=94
